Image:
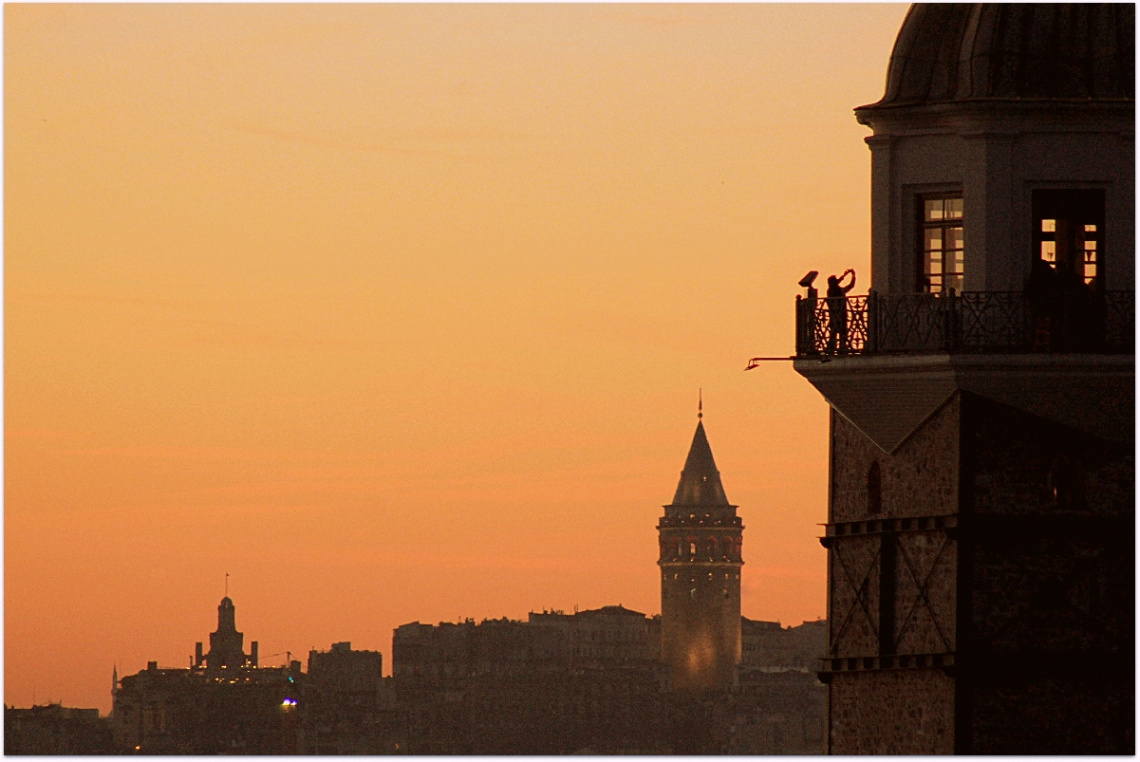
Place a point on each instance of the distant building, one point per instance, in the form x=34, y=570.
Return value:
x=56, y=730
x=594, y=682
x=700, y=558
x=226, y=644
x=981, y=514
x=223, y=703
x=347, y=707
x=555, y=684
x=768, y=647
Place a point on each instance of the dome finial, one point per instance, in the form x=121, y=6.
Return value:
x=700, y=404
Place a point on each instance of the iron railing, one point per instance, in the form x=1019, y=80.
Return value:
x=967, y=322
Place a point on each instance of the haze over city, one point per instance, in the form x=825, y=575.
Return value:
x=400, y=312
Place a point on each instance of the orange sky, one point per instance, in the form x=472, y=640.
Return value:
x=399, y=313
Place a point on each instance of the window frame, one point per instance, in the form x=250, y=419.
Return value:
x=923, y=279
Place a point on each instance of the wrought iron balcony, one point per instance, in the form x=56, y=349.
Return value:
x=967, y=322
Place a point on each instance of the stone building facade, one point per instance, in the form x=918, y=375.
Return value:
x=980, y=532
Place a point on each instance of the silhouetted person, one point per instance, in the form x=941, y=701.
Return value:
x=1076, y=309
x=1043, y=292
x=837, y=311
x=808, y=313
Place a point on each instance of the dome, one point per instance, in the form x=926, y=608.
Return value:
x=226, y=603
x=996, y=51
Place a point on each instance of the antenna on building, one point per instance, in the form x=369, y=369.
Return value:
x=227, y=584
x=700, y=404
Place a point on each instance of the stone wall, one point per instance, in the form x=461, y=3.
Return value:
x=891, y=712
x=919, y=479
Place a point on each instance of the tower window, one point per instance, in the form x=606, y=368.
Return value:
x=874, y=489
x=692, y=547
x=1068, y=232
x=941, y=244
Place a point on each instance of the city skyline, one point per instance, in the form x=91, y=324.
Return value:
x=399, y=313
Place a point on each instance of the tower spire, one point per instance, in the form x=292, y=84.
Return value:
x=700, y=404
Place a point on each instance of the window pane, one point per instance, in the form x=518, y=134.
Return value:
x=933, y=209
x=933, y=239
x=953, y=238
x=1090, y=228
x=953, y=208
x=1048, y=226
x=1049, y=251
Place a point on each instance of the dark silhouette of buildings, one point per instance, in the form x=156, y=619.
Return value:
x=700, y=537
x=594, y=682
x=56, y=730
x=346, y=706
x=697, y=679
x=226, y=644
x=223, y=703
x=980, y=527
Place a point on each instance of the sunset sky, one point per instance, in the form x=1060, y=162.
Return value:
x=400, y=312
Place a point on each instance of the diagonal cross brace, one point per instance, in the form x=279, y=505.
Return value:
x=921, y=596
x=860, y=596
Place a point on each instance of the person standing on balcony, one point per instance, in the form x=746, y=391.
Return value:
x=1043, y=292
x=837, y=311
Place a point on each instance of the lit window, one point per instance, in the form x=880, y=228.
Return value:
x=1068, y=232
x=942, y=245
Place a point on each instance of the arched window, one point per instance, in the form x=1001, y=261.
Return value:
x=874, y=489
x=692, y=547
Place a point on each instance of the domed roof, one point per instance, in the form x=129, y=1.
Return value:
x=1015, y=51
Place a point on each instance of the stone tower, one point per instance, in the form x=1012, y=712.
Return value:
x=700, y=562
x=980, y=527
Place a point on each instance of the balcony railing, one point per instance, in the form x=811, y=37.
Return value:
x=967, y=322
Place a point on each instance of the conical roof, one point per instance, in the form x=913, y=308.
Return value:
x=700, y=481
